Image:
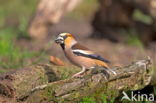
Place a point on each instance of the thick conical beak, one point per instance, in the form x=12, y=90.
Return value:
x=59, y=40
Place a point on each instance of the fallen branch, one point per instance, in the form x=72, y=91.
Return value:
x=44, y=83
x=132, y=77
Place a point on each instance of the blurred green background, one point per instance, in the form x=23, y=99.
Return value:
x=14, y=19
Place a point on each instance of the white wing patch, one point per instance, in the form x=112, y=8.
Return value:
x=81, y=51
x=89, y=54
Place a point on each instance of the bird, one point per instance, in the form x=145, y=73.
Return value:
x=80, y=55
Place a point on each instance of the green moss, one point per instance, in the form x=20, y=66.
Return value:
x=154, y=75
x=99, y=94
x=65, y=71
x=48, y=93
x=43, y=79
x=101, y=98
x=77, y=95
x=88, y=100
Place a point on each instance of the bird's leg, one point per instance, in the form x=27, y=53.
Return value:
x=79, y=74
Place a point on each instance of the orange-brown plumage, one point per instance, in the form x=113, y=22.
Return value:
x=77, y=45
x=101, y=63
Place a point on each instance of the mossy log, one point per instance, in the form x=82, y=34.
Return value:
x=132, y=77
x=16, y=83
x=43, y=83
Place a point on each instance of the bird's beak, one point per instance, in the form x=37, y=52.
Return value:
x=59, y=40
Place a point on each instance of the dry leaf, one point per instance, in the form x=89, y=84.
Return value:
x=56, y=61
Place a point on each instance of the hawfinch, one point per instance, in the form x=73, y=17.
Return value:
x=79, y=55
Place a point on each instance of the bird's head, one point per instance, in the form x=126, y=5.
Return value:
x=66, y=39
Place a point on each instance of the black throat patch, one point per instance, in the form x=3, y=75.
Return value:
x=63, y=46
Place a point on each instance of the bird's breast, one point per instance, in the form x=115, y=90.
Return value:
x=79, y=61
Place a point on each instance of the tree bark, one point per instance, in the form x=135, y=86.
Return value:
x=21, y=81
x=43, y=82
x=133, y=77
x=17, y=83
x=48, y=13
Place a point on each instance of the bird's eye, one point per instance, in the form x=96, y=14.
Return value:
x=64, y=37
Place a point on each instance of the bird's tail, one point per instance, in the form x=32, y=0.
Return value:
x=105, y=67
x=101, y=64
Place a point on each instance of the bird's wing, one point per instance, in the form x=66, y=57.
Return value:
x=80, y=50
